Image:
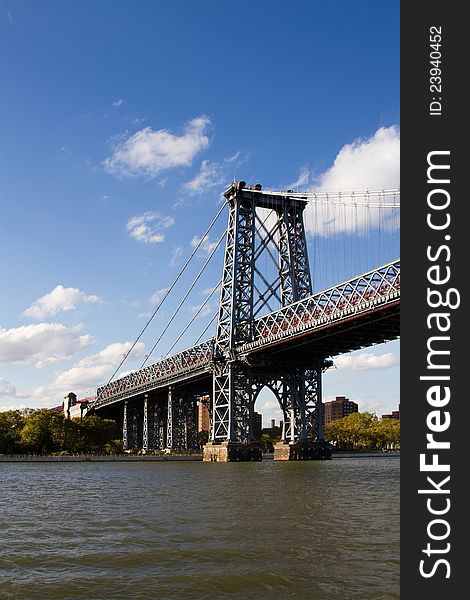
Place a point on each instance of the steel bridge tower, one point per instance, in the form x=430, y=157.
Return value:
x=262, y=224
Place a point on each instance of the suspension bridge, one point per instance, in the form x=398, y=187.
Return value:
x=272, y=331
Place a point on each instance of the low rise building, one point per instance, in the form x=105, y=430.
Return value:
x=338, y=409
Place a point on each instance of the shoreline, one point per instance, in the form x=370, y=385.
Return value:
x=85, y=458
x=170, y=457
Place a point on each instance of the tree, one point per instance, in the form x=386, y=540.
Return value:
x=96, y=433
x=11, y=424
x=43, y=431
x=356, y=431
x=390, y=434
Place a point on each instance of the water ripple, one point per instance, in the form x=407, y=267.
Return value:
x=319, y=530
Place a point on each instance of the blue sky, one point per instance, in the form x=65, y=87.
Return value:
x=121, y=123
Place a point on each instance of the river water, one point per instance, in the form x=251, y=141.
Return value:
x=170, y=530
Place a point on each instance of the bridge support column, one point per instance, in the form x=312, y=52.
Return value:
x=145, y=431
x=169, y=422
x=302, y=450
x=232, y=423
x=130, y=426
x=156, y=424
x=125, y=442
x=231, y=452
x=302, y=436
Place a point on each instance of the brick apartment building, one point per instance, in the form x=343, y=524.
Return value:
x=338, y=409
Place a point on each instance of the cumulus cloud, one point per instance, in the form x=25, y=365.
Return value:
x=372, y=163
x=157, y=296
x=60, y=299
x=211, y=174
x=147, y=227
x=41, y=344
x=148, y=153
x=118, y=103
x=206, y=246
x=86, y=375
x=366, y=361
x=269, y=407
x=6, y=388
x=302, y=180
x=365, y=164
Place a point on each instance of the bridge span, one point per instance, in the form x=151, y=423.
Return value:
x=286, y=350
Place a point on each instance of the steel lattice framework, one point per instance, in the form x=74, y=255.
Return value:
x=250, y=351
x=359, y=296
x=248, y=237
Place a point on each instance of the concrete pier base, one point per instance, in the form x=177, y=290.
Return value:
x=231, y=452
x=302, y=451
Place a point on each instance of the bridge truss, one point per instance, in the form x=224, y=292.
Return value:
x=286, y=350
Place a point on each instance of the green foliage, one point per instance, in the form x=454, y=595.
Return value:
x=114, y=447
x=44, y=431
x=96, y=433
x=11, y=424
x=269, y=437
x=362, y=431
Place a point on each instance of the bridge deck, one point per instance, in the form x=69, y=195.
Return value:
x=355, y=314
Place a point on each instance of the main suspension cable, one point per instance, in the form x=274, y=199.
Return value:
x=194, y=317
x=205, y=329
x=168, y=291
x=184, y=298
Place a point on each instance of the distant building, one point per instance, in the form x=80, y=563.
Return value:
x=203, y=414
x=73, y=408
x=273, y=423
x=395, y=414
x=338, y=409
x=257, y=426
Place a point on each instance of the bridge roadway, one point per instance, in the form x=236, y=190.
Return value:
x=355, y=314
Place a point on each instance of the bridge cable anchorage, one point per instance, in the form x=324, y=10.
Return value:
x=194, y=317
x=184, y=298
x=167, y=293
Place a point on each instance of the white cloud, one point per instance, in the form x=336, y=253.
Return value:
x=149, y=152
x=176, y=254
x=89, y=373
x=208, y=310
x=302, y=180
x=366, y=361
x=268, y=406
x=210, y=175
x=365, y=164
x=207, y=245
x=41, y=344
x=146, y=228
x=60, y=299
x=118, y=103
x=13, y=407
x=372, y=163
x=6, y=388
x=157, y=296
